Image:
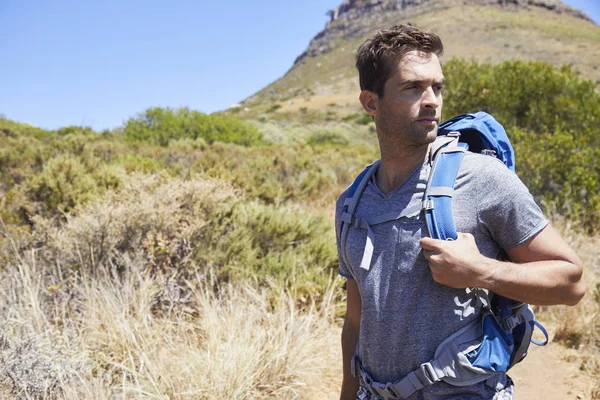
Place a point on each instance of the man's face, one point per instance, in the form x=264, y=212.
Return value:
x=411, y=105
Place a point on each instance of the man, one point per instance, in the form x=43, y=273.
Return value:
x=412, y=294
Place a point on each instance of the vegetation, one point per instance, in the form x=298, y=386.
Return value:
x=128, y=256
x=551, y=116
x=131, y=334
x=159, y=126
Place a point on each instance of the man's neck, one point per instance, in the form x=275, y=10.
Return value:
x=398, y=164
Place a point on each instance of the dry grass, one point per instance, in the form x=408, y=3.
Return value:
x=578, y=327
x=111, y=302
x=103, y=339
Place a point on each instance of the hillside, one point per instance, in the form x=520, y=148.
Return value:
x=541, y=30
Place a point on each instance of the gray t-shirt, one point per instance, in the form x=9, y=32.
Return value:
x=405, y=313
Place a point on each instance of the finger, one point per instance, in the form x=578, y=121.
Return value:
x=429, y=254
x=465, y=236
x=429, y=243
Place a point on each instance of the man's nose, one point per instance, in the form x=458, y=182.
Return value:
x=430, y=99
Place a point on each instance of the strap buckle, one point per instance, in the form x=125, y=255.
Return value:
x=429, y=373
x=428, y=205
x=384, y=391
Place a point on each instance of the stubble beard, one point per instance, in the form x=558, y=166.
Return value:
x=399, y=134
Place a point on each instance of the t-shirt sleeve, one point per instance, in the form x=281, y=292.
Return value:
x=507, y=211
x=344, y=269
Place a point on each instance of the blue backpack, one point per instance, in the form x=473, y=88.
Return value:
x=486, y=348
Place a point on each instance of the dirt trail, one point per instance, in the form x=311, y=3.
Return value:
x=545, y=374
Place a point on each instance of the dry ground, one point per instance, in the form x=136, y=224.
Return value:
x=546, y=374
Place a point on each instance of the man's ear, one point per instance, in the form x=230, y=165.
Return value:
x=369, y=101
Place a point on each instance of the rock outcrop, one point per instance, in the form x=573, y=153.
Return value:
x=354, y=19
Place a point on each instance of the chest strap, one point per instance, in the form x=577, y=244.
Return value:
x=367, y=224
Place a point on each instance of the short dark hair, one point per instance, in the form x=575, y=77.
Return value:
x=378, y=55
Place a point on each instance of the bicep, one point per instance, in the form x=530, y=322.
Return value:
x=546, y=245
x=506, y=210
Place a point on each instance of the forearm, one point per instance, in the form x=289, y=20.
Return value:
x=543, y=270
x=538, y=282
x=350, y=384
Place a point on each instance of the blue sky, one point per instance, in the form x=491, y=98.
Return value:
x=97, y=63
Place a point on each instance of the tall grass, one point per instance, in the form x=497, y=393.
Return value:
x=172, y=288
x=578, y=327
x=106, y=337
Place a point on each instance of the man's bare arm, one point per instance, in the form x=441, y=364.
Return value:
x=543, y=271
x=349, y=339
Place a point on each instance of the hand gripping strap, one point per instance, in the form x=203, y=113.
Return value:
x=439, y=191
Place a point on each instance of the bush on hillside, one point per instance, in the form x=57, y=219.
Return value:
x=534, y=96
x=552, y=117
x=179, y=227
x=282, y=174
x=26, y=150
x=160, y=126
x=563, y=173
x=327, y=138
x=65, y=182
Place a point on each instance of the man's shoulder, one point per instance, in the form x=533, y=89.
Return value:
x=479, y=162
x=484, y=168
x=341, y=199
x=355, y=181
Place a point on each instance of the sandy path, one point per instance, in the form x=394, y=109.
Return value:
x=545, y=374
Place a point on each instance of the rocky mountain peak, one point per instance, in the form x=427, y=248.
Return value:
x=354, y=19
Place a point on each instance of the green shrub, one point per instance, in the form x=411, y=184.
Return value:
x=64, y=182
x=562, y=172
x=364, y=119
x=73, y=129
x=137, y=163
x=552, y=117
x=180, y=227
x=108, y=176
x=265, y=242
x=326, y=137
x=534, y=96
x=160, y=126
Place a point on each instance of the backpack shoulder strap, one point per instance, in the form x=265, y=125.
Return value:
x=355, y=191
x=446, y=154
